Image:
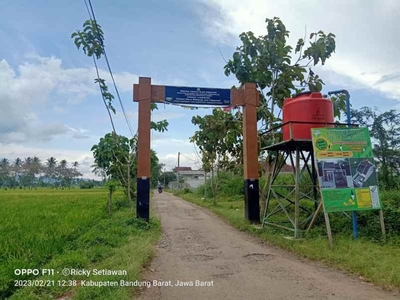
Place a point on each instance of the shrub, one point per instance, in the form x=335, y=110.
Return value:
x=86, y=185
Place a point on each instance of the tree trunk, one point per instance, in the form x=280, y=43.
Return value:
x=109, y=202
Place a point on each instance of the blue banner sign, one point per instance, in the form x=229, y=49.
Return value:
x=197, y=96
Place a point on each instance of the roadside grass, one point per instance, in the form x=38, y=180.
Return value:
x=57, y=229
x=374, y=261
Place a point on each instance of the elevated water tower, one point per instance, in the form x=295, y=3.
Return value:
x=292, y=205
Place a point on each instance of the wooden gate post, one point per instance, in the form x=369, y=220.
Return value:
x=248, y=97
x=142, y=94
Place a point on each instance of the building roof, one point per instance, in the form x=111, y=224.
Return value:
x=191, y=172
x=176, y=169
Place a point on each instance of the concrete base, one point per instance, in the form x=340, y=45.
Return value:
x=143, y=199
x=251, y=199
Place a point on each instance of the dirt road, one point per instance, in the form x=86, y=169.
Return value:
x=197, y=245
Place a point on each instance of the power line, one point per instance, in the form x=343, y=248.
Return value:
x=219, y=50
x=104, y=100
x=190, y=159
x=108, y=63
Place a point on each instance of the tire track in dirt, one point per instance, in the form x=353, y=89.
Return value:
x=196, y=245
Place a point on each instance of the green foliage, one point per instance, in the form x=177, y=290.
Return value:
x=155, y=168
x=169, y=176
x=186, y=190
x=384, y=129
x=219, y=139
x=114, y=153
x=33, y=173
x=86, y=185
x=267, y=61
x=91, y=39
x=54, y=229
x=111, y=185
x=159, y=126
x=111, y=154
x=106, y=94
x=339, y=105
x=320, y=48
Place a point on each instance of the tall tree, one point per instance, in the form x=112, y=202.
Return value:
x=384, y=129
x=219, y=139
x=115, y=155
x=5, y=172
x=37, y=169
x=50, y=171
x=63, y=174
x=28, y=175
x=75, y=166
x=266, y=61
x=17, y=169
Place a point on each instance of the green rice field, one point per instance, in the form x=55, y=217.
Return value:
x=56, y=229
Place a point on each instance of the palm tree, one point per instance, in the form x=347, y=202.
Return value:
x=99, y=172
x=4, y=171
x=17, y=169
x=63, y=173
x=75, y=172
x=37, y=168
x=28, y=174
x=50, y=171
x=51, y=162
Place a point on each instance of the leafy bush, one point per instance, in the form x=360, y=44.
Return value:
x=187, y=190
x=86, y=185
x=232, y=186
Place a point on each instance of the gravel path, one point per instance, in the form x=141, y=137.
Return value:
x=198, y=247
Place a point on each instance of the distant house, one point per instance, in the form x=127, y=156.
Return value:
x=191, y=178
x=178, y=169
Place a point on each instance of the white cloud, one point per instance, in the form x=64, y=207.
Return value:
x=186, y=159
x=27, y=90
x=167, y=149
x=78, y=133
x=366, y=31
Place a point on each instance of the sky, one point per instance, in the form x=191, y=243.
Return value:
x=50, y=106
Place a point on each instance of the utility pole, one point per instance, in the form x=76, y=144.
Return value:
x=164, y=177
x=177, y=171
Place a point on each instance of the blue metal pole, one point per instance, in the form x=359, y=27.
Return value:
x=346, y=93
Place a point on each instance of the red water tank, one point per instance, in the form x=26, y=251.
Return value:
x=306, y=107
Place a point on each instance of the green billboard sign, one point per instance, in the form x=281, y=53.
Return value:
x=346, y=169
